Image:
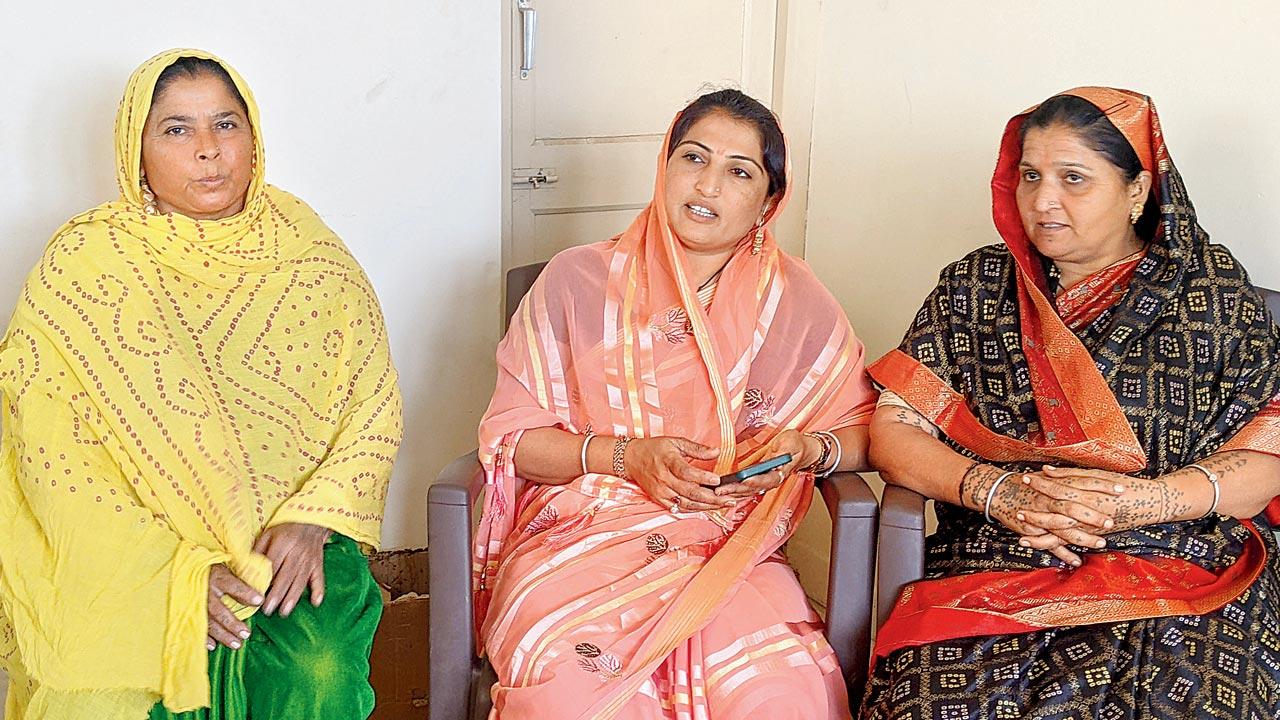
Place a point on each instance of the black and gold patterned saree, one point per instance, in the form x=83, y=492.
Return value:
x=1150, y=365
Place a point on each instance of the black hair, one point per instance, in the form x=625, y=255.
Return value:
x=740, y=106
x=193, y=67
x=1100, y=134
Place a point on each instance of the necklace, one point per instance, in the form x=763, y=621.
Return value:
x=714, y=276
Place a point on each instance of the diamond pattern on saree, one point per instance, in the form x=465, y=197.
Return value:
x=1190, y=353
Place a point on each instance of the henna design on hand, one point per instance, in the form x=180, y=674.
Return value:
x=1149, y=502
x=1006, y=501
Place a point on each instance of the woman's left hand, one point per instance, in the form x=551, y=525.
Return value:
x=296, y=551
x=804, y=451
x=1137, y=501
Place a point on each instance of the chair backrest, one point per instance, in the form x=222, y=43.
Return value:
x=1273, y=303
x=519, y=280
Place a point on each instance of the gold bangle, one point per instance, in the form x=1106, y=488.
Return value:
x=620, y=456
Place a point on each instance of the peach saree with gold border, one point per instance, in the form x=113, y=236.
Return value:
x=596, y=602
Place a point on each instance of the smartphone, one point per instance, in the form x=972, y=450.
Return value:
x=759, y=468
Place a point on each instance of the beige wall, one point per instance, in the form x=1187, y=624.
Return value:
x=911, y=98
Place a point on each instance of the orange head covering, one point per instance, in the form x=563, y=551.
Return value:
x=1134, y=114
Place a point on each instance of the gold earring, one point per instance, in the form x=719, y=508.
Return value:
x=758, y=241
x=1135, y=213
x=148, y=199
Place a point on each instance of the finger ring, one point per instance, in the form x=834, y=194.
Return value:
x=675, y=506
x=761, y=492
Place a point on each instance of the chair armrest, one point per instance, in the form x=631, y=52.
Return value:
x=854, y=512
x=450, y=502
x=459, y=483
x=901, y=559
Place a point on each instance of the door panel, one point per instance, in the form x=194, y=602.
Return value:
x=554, y=232
x=607, y=84
x=606, y=80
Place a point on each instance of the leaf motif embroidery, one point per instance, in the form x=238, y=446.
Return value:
x=760, y=405
x=606, y=665
x=783, y=525
x=673, y=325
x=610, y=666
x=567, y=532
x=545, y=520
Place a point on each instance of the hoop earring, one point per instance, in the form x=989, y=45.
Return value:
x=1135, y=213
x=758, y=241
x=148, y=199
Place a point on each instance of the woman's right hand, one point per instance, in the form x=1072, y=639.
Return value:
x=224, y=627
x=1047, y=520
x=660, y=466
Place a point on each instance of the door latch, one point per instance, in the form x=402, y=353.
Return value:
x=533, y=177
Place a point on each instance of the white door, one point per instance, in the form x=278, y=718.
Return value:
x=602, y=81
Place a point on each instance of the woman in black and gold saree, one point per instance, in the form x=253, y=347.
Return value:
x=1093, y=403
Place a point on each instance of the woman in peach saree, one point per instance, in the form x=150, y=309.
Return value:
x=625, y=581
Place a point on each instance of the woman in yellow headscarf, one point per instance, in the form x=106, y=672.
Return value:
x=200, y=416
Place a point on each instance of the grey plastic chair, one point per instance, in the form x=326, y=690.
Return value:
x=460, y=681
x=902, y=513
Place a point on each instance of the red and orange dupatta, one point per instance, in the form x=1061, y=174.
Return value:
x=1120, y=372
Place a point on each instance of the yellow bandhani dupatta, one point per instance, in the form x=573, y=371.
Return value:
x=171, y=387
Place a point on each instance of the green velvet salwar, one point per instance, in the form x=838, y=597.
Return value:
x=311, y=665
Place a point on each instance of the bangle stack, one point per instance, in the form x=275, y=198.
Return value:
x=832, y=453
